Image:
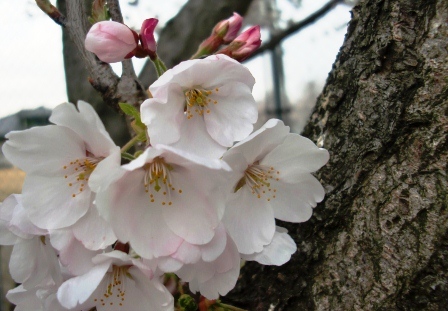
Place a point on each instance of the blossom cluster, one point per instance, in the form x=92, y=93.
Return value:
x=91, y=230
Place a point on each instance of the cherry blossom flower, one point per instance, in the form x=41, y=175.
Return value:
x=154, y=205
x=111, y=41
x=273, y=180
x=201, y=106
x=56, y=193
x=116, y=282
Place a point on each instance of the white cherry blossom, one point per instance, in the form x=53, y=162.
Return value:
x=115, y=282
x=163, y=198
x=58, y=160
x=202, y=106
x=272, y=180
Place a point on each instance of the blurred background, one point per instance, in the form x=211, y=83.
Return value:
x=289, y=76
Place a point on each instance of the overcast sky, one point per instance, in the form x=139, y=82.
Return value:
x=31, y=54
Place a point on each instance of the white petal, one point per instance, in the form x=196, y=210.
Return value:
x=295, y=202
x=191, y=215
x=277, y=253
x=78, y=289
x=249, y=221
x=107, y=171
x=72, y=254
x=50, y=203
x=195, y=139
x=214, y=278
x=135, y=220
x=52, y=147
x=86, y=124
x=261, y=142
x=94, y=231
x=216, y=246
x=232, y=117
x=296, y=155
x=163, y=116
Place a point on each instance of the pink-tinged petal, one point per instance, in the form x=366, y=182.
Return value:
x=45, y=144
x=261, y=142
x=232, y=117
x=162, y=113
x=216, y=246
x=32, y=262
x=20, y=223
x=9, y=235
x=107, y=171
x=195, y=139
x=93, y=231
x=187, y=253
x=72, y=254
x=249, y=221
x=77, y=290
x=50, y=202
x=295, y=202
x=214, y=278
x=152, y=294
x=278, y=252
x=169, y=264
x=85, y=122
x=296, y=155
x=193, y=219
x=136, y=221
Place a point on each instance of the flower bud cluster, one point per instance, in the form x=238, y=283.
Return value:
x=91, y=232
x=239, y=47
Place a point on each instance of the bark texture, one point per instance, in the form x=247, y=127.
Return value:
x=379, y=241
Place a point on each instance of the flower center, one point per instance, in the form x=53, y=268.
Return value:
x=198, y=101
x=158, y=182
x=77, y=173
x=115, y=292
x=258, y=178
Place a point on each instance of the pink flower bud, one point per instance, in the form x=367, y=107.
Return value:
x=243, y=45
x=149, y=44
x=111, y=41
x=228, y=29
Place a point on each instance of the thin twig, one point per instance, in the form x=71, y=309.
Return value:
x=52, y=12
x=276, y=39
x=115, y=11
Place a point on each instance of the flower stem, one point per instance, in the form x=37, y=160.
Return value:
x=130, y=143
x=159, y=65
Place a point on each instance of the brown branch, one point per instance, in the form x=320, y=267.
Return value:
x=276, y=39
x=115, y=11
x=52, y=12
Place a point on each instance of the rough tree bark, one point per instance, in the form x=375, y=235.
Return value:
x=379, y=241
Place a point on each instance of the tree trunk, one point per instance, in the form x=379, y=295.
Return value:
x=379, y=241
